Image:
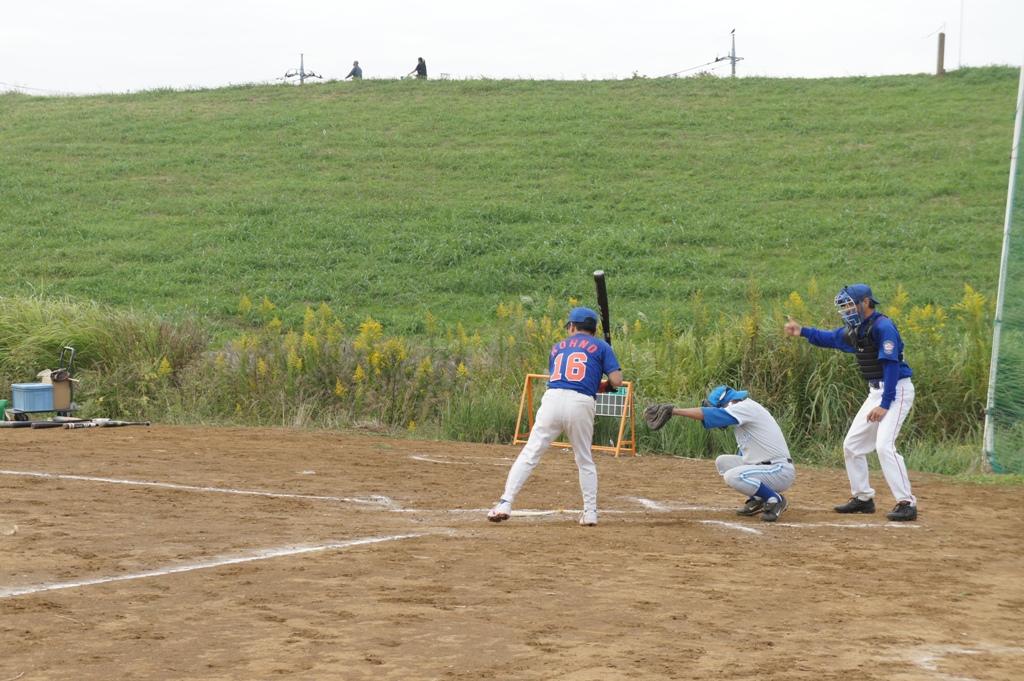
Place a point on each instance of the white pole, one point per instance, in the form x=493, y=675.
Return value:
x=989, y=444
x=733, y=55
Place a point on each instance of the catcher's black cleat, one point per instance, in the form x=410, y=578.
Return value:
x=903, y=511
x=855, y=505
x=752, y=507
x=773, y=509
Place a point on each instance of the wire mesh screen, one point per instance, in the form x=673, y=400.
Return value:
x=1004, y=424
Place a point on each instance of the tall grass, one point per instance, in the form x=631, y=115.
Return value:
x=451, y=384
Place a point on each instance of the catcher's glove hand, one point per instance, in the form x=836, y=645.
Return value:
x=657, y=415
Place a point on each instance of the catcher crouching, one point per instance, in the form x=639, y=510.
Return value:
x=762, y=469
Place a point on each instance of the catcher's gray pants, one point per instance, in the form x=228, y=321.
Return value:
x=560, y=410
x=746, y=479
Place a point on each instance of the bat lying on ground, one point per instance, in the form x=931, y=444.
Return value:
x=56, y=422
x=104, y=423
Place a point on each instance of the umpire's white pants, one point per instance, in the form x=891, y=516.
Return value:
x=866, y=436
x=746, y=478
x=560, y=411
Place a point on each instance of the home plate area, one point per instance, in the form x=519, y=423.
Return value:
x=246, y=553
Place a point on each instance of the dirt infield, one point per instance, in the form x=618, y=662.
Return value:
x=202, y=553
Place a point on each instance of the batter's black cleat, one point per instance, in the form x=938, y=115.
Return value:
x=752, y=507
x=855, y=505
x=903, y=511
x=773, y=509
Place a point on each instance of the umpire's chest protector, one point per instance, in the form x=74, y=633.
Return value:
x=865, y=348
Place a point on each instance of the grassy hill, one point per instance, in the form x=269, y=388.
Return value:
x=392, y=198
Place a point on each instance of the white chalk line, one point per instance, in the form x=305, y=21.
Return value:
x=659, y=506
x=929, y=661
x=647, y=509
x=375, y=499
x=732, y=526
x=886, y=525
x=450, y=463
x=217, y=562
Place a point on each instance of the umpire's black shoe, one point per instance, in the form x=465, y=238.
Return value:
x=773, y=509
x=752, y=507
x=855, y=505
x=903, y=511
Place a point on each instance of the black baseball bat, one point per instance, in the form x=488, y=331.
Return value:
x=602, y=305
x=115, y=424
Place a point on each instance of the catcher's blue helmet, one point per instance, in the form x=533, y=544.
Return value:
x=723, y=395
x=849, y=298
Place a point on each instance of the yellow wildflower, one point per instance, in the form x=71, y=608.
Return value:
x=294, y=361
x=370, y=333
x=309, y=343
x=325, y=313
x=972, y=307
x=266, y=307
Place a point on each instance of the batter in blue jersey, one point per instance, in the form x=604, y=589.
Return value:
x=576, y=366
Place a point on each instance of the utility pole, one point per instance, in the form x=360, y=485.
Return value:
x=302, y=73
x=732, y=55
x=940, y=69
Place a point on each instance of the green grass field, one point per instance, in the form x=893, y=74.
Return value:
x=392, y=198
x=421, y=240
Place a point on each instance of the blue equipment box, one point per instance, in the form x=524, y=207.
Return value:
x=33, y=396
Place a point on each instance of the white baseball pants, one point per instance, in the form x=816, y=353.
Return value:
x=560, y=411
x=865, y=437
x=746, y=478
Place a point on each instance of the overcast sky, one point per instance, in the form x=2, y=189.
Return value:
x=90, y=46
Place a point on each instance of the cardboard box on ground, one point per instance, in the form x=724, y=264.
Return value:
x=61, y=389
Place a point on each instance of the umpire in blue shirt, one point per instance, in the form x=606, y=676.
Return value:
x=876, y=342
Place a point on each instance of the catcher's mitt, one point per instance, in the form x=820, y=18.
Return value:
x=657, y=415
